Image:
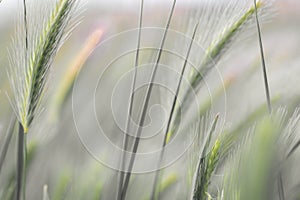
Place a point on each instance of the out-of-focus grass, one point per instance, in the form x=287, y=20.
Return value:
x=245, y=108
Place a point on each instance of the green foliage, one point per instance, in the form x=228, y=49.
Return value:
x=29, y=73
x=251, y=160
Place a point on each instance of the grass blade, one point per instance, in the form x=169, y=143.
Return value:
x=212, y=56
x=145, y=105
x=267, y=90
x=263, y=60
x=126, y=138
x=165, y=184
x=21, y=160
x=21, y=151
x=9, y=134
x=62, y=187
x=30, y=72
x=153, y=193
x=294, y=148
x=66, y=83
x=280, y=187
x=206, y=165
x=26, y=29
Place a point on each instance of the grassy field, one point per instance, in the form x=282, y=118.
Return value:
x=149, y=100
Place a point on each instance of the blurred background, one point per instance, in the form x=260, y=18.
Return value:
x=61, y=161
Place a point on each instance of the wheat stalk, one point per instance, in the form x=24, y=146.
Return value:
x=213, y=54
x=165, y=139
x=263, y=59
x=130, y=108
x=28, y=76
x=145, y=104
x=206, y=164
x=29, y=71
x=9, y=134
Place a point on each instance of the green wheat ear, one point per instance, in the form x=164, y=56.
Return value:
x=213, y=53
x=207, y=163
x=29, y=69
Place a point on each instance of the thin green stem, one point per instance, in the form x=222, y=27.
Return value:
x=212, y=56
x=7, y=140
x=145, y=105
x=204, y=167
x=21, y=163
x=294, y=148
x=26, y=28
x=263, y=60
x=153, y=193
x=267, y=90
x=126, y=139
x=280, y=187
x=21, y=159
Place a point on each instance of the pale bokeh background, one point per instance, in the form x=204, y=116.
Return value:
x=60, y=153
